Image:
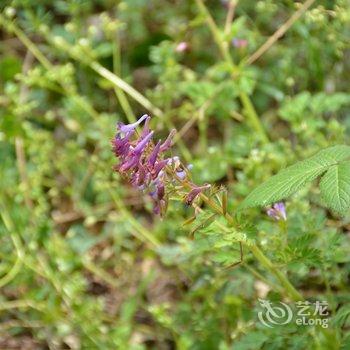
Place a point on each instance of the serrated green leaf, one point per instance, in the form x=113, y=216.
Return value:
x=335, y=187
x=294, y=177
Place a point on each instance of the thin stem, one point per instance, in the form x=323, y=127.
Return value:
x=140, y=231
x=253, y=117
x=216, y=34
x=264, y=260
x=120, y=83
x=10, y=26
x=5, y=216
x=284, y=231
x=19, y=144
x=240, y=261
x=103, y=275
x=203, y=128
x=68, y=90
x=14, y=271
x=124, y=103
x=259, y=255
x=250, y=112
x=201, y=114
x=229, y=18
x=21, y=304
x=259, y=276
x=279, y=32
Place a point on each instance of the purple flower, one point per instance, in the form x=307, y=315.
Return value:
x=138, y=178
x=146, y=129
x=167, y=143
x=146, y=167
x=131, y=127
x=277, y=211
x=160, y=190
x=121, y=145
x=159, y=207
x=196, y=190
x=140, y=146
x=158, y=167
x=131, y=163
x=153, y=157
x=181, y=173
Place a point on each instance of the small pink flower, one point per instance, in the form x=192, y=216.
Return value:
x=239, y=43
x=181, y=47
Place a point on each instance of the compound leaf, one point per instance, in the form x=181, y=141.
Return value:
x=294, y=177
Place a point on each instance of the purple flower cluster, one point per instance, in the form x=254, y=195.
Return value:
x=143, y=163
x=277, y=211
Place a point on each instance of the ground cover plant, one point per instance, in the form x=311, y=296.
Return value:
x=174, y=174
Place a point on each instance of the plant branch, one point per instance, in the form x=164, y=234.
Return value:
x=249, y=109
x=258, y=254
x=279, y=32
x=120, y=83
x=230, y=15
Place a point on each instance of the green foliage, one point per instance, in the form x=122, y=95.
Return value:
x=84, y=263
x=335, y=187
x=334, y=184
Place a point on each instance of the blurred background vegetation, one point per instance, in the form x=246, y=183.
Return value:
x=84, y=262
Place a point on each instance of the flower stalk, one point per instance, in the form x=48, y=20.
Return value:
x=291, y=292
x=145, y=166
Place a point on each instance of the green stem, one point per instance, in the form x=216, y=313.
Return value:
x=139, y=231
x=266, y=262
x=260, y=277
x=253, y=117
x=121, y=84
x=21, y=304
x=68, y=90
x=89, y=265
x=124, y=103
x=142, y=100
x=284, y=232
x=11, y=27
x=259, y=255
x=249, y=109
x=18, y=247
x=203, y=129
